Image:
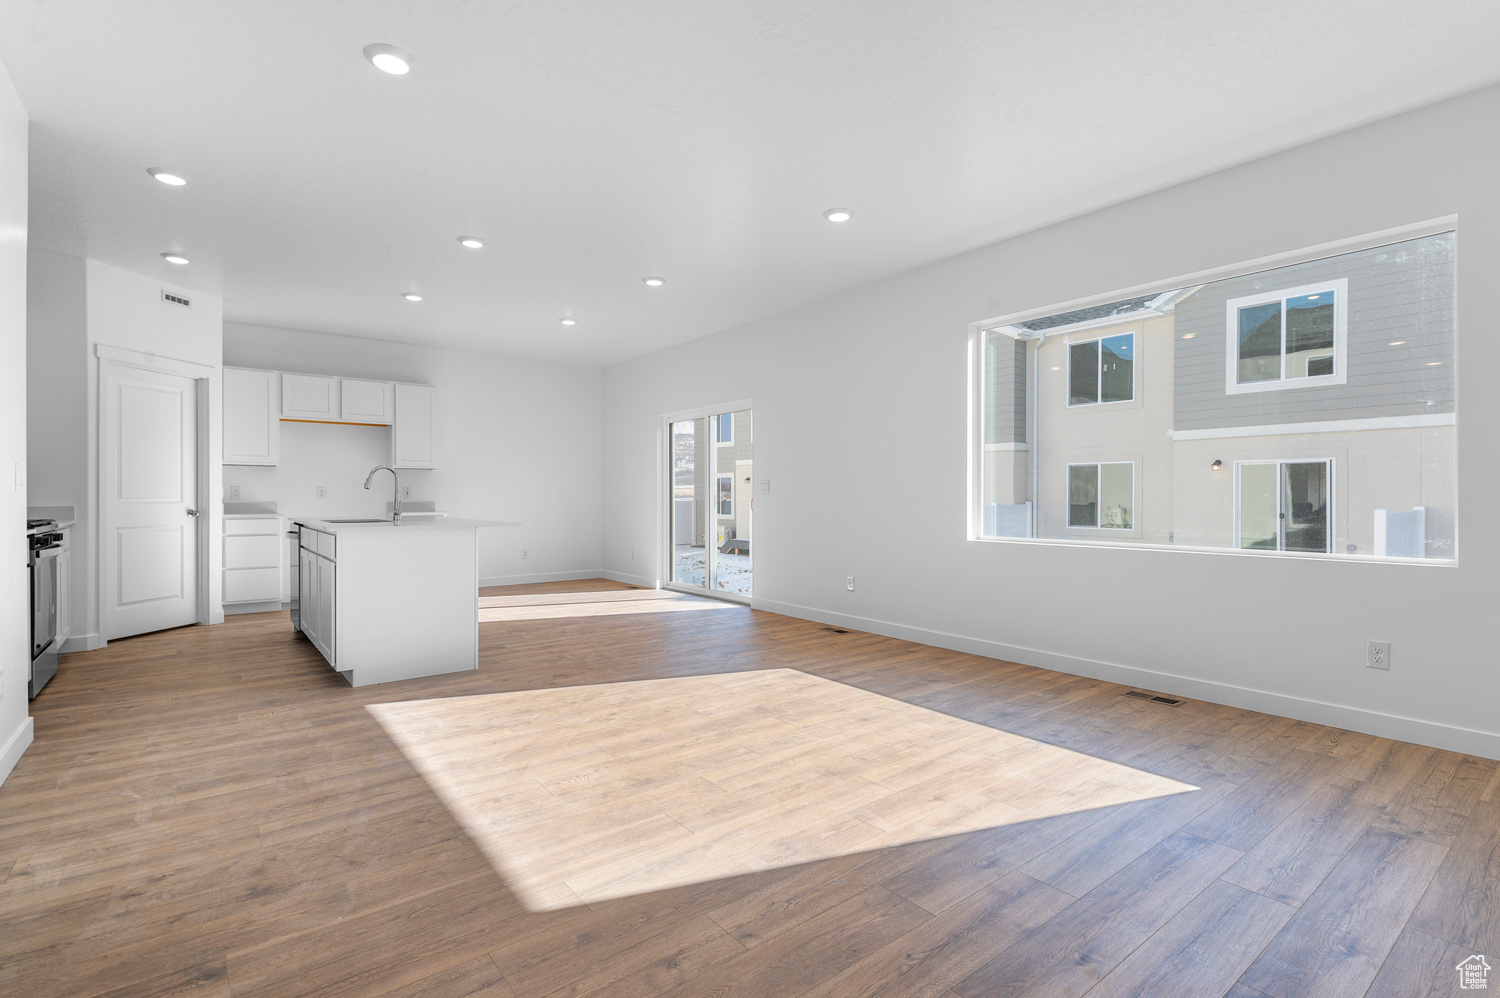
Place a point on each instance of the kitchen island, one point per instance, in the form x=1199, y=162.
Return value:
x=387, y=600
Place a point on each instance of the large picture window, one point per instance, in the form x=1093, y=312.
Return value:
x=1304, y=408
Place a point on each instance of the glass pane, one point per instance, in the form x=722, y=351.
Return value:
x=689, y=501
x=1309, y=335
x=1083, y=373
x=1260, y=522
x=733, y=504
x=1260, y=343
x=1117, y=368
x=1305, y=503
x=725, y=422
x=1083, y=495
x=1117, y=496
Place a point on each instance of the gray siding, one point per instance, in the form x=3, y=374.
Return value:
x=1398, y=292
x=1004, y=390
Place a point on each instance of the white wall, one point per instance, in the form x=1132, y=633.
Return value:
x=874, y=382
x=15, y=581
x=517, y=441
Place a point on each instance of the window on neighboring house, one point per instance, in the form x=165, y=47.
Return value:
x=1291, y=338
x=1102, y=495
x=726, y=495
x=1101, y=370
x=725, y=429
x=1284, y=505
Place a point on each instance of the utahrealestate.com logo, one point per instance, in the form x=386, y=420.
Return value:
x=1473, y=974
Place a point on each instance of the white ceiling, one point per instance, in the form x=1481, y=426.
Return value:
x=593, y=142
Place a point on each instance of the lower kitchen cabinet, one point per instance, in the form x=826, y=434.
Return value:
x=317, y=596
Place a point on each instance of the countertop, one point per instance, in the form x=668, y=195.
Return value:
x=415, y=523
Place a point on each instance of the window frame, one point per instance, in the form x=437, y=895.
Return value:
x=719, y=439
x=1280, y=462
x=1070, y=343
x=1340, y=376
x=720, y=498
x=1098, y=467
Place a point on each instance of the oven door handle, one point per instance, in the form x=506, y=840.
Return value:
x=47, y=552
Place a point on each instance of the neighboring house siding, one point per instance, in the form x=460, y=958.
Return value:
x=1399, y=292
x=1005, y=390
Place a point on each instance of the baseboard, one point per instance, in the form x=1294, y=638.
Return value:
x=1408, y=729
x=522, y=580
x=264, y=606
x=81, y=642
x=15, y=748
x=630, y=580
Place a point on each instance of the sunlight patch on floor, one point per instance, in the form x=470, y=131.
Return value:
x=609, y=603
x=585, y=793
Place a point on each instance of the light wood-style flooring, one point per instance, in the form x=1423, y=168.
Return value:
x=213, y=812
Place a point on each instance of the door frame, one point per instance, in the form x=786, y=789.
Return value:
x=203, y=376
x=665, y=548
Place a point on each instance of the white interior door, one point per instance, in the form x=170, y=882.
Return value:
x=149, y=515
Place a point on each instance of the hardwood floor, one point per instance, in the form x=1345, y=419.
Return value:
x=212, y=811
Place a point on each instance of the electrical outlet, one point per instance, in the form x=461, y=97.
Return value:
x=234, y=491
x=525, y=554
x=406, y=492
x=849, y=584
x=1378, y=654
x=322, y=492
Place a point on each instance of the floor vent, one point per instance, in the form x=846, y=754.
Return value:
x=1152, y=697
x=172, y=299
x=836, y=630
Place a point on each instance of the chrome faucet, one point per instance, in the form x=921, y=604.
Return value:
x=395, y=485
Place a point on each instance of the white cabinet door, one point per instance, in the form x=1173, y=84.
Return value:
x=414, y=435
x=367, y=401
x=307, y=396
x=65, y=589
x=252, y=410
x=307, y=594
x=327, y=623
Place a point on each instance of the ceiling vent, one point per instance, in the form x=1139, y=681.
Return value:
x=1152, y=697
x=172, y=299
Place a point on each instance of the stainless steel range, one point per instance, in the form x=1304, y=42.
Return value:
x=44, y=543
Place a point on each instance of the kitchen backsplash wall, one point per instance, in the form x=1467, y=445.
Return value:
x=334, y=457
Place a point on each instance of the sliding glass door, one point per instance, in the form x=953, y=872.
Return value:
x=711, y=495
x=1284, y=505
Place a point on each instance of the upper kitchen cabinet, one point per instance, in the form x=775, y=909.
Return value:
x=414, y=435
x=367, y=401
x=308, y=396
x=252, y=406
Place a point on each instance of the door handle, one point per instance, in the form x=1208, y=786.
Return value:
x=192, y=512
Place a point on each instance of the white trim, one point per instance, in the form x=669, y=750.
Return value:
x=153, y=362
x=1340, y=289
x=628, y=579
x=82, y=642
x=991, y=448
x=16, y=747
x=1321, y=426
x=718, y=594
x=1434, y=733
x=521, y=580
x=1307, y=254
x=1104, y=321
x=704, y=411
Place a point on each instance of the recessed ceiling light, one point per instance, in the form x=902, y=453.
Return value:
x=1396, y=343
x=412, y=296
x=568, y=322
x=389, y=59
x=471, y=242
x=653, y=282
x=838, y=214
x=176, y=258
x=168, y=178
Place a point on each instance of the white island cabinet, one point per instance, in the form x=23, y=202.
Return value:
x=384, y=601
